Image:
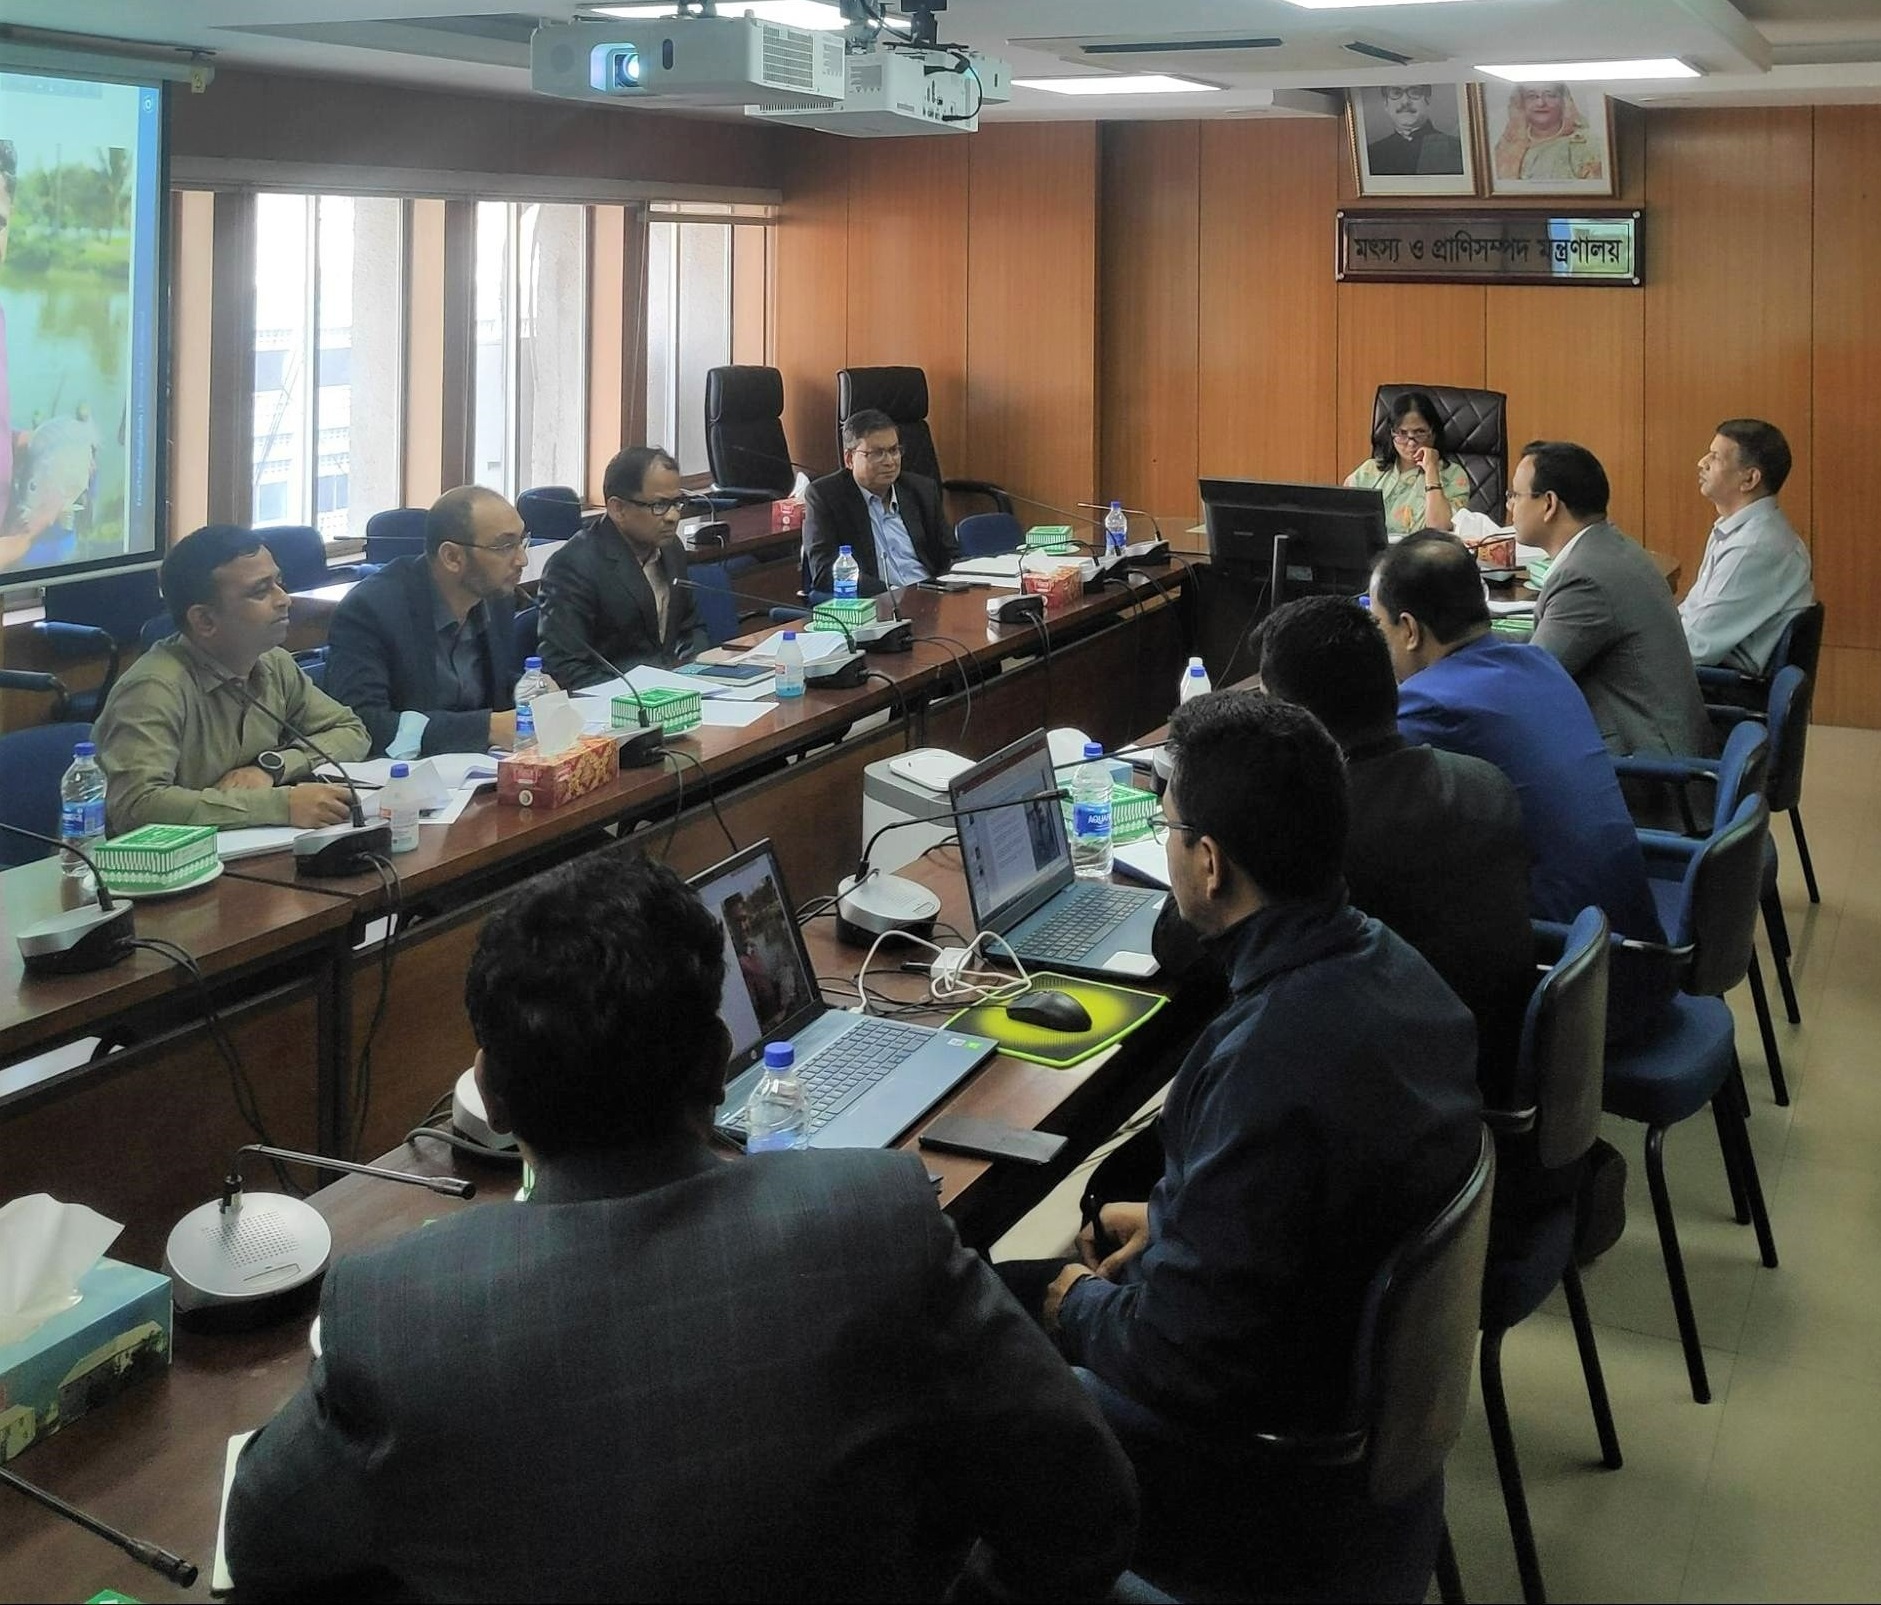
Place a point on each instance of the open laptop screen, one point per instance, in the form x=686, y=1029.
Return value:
x=770, y=992
x=1014, y=858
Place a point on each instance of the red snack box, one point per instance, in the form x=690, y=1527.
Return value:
x=535, y=782
x=786, y=515
x=1060, y=585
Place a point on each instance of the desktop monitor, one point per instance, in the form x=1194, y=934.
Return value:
x=1296, y=539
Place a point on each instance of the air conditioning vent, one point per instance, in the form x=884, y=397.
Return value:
x=1163, y=47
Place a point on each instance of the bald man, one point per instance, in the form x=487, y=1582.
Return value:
x=425, y=650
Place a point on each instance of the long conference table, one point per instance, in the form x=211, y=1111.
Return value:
x=112, y=1092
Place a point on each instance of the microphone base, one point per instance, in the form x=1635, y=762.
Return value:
x=643, y=748
x=254, y=1263
x=879, y=904
x=890, y=635
x=472, y=1120
x=1014, y=609
x=78, y=941
x=1144, y=554
x=844, y=672
x=340, y=849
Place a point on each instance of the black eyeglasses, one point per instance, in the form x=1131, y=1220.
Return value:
x=506, y=548
x=660, y=508
x=1166, y=825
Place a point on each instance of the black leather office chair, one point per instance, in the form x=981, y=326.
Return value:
x=902, y=394
x=550, y=512
x=1475, y=428
x=393, y=533
x=744, y=434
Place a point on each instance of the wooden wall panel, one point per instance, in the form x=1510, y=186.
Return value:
x=1850, y=689
x=1398, y=334
x=1847, y=379
x=1150, y=314
x=191, y=314
x=1269, y=345
x=811, y=292
x=424, y=353
x=1728, y=316
x=1572, y=365
x=908, y=273
x=1032, y=310
x=611, y=346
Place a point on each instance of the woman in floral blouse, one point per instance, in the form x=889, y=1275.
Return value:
x=1414, y=472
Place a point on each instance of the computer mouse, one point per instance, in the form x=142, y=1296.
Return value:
x=1054, y=1011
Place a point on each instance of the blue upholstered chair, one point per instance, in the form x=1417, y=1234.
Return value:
x=32, y=762
x=989, y=535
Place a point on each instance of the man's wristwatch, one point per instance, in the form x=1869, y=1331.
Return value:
x=273, y=765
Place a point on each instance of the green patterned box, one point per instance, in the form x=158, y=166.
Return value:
x=844, y=614
x=675, y=712
x=1055, y=539
x=1131, y=813
x=156, y=858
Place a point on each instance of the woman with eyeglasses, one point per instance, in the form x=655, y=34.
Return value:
x=1422, y=484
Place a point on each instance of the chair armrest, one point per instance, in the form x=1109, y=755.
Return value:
x=1677, y=770
x=1712, y=674
x=741, y=495
x=1667, y=853
x=980, y=487
x=1727, y=717
x=783, y=615
x=32, y=680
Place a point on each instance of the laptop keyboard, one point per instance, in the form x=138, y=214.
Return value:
x=1090, y=913
x=853, y=1063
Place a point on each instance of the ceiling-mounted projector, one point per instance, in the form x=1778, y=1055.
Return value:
x=899, y=91
x=687, y=61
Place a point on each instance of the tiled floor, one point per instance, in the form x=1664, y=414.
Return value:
x=1773, y=1490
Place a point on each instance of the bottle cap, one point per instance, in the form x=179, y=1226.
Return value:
x=1116, y=507
x=530, y=663
x=779, y=1056
x=1093, y=749
x=843, y=551
x=85, y=749
x=790, y=635
x=1196, y=671
x=401, y=771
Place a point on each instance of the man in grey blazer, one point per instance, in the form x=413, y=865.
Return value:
x=1605, y=611
x=670, y=1375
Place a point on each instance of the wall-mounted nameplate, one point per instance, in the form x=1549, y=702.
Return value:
x=1501, y=247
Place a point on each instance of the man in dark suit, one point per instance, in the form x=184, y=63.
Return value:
x=1605, y=611
x=1414, y=144
x=425, y=650
x=1326, y=1112
x=1435, y=848
x=615, y=588
x=891, y=522
x=669, y=1375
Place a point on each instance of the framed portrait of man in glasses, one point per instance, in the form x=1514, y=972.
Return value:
x=1412, y=139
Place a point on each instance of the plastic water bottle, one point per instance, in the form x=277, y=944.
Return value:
x=846, y=574
x=1195, y=681
x=398, y=807
x=81, y=807
x=789, y=666
x=534, y=683
x=1091, y=790
x=1116, y=529
x=777, y=1115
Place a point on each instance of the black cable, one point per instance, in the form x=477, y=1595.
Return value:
x=394, y=890
x=1045, y=640
x=477, y=1150
x=679, y=807
x=963, y=660
x=731, y=840
x=894, y=690
x=824, y=905
x=247, y=1104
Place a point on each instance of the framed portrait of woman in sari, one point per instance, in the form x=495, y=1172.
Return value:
x=1548, y=139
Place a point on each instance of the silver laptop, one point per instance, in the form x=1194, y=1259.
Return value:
x=1021, y=883
x=867, y=1080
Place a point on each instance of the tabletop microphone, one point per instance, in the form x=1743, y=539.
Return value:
x=643, y=750
x=333, y=849
x=882, y=635
x=92, y=937
x=238, y=1260
x=159, y=1560
x=870, y=903
x=1137, y=554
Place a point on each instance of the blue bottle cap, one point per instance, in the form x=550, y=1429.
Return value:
x=1093, y=749
x=530, y=663
x=790, y=635
x=401, y=771
x=844, y=551
x=85, y=749
x=779, y=1056
x=1197, y=672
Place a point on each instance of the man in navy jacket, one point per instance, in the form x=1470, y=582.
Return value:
x=425, y=651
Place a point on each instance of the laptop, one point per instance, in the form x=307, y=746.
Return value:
x=1021, y=883
x=867, y=1080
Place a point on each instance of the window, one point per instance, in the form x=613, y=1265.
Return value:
x=531, y=308
x=328, y=361
x=689, y=330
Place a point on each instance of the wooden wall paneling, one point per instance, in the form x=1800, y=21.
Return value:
x=458, y=405
x=811, y=294
x=1728, y=316
x=1149, y=325
x=908, y=273
x=1402, y=334
x=1572, y=364
x=232, y=360
x=1032, y=310
x=191, y=320
x=424, y=353
x=1849, y=692
x=751, y=293
x=1269, y=347
x=1846, y=381
x=612, y=340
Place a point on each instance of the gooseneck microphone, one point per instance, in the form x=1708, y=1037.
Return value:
x=644, y=750
x=93, y=937
x=882, y=635
x=334, y=849
x=239, y=1260
x=159, y=1560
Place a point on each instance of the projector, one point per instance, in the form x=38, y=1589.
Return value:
x=899, y=92
x=687, y=61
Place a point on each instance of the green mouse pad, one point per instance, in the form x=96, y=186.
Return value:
x=1115, y=1012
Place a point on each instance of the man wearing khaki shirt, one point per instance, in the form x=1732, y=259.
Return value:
x=179, y=744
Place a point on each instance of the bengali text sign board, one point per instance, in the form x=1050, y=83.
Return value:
x=1502, y=247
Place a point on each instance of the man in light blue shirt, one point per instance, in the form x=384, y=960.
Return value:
x=1755, y=576
x=891, y=521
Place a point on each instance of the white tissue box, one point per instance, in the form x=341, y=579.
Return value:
x=117, y=1332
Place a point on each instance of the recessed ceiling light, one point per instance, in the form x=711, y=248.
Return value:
x=1117, y=83
x=815, y=14
x=1562, y=72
